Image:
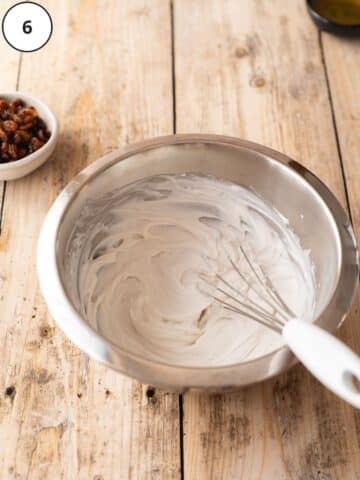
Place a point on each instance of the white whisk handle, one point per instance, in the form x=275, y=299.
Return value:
x=333, y=363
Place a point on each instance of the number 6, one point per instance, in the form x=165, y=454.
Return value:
x=27, y=28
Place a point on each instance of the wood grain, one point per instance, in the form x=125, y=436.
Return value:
x=250, y=69
x=9, y=74
x=254, y=69
x=107, y=74
x=342, y=61
x=9, y=57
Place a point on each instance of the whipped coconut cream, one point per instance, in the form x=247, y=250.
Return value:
x=142, y=257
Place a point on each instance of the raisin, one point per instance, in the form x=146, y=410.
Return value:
x=4, y=105
x=21, y=136
x=22, y=152
x=27, y=115
x=19, y=103
x=3, y=136
x=13, y=152
x=10, y=126
x=41, y=135
x=4, y=147
x=35, y=143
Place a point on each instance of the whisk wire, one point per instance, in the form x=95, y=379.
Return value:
x=265, y=314
x=280, y=312
x=265, y=282
x=269, y=300
x=239, y=292
x=230, y=307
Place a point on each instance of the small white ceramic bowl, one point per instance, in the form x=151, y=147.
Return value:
x=24, y=166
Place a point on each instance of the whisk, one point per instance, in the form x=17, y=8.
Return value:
x=333, y=363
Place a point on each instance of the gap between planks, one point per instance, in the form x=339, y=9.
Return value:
x=173, y=81
x=333, y=118
x=2, y=201
x=173, y=69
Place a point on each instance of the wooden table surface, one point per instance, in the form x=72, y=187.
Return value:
x=120, y=71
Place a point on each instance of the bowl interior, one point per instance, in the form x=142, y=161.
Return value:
x=277, y=183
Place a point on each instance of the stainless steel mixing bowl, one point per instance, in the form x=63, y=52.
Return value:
x=314, y=214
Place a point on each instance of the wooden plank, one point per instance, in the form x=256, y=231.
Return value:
x=107, y=74
x=9, y=57
x=342, y=59
x=11, y=62
x=255, y=71
x=342, y=63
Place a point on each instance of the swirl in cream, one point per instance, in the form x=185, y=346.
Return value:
x=140, y=264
